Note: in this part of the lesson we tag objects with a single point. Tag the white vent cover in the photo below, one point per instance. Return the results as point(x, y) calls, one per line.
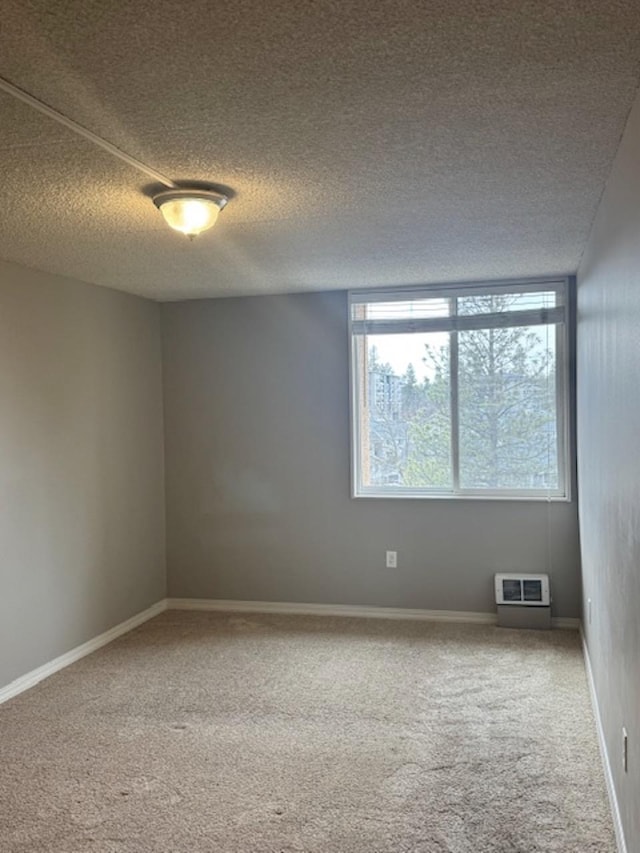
point(530, 590)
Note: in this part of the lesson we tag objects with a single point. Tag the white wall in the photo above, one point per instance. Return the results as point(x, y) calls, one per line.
point(258, 492)
point(609, 463)
point(81, 464)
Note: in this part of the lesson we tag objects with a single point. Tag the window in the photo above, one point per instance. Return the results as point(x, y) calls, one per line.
point(460, 391)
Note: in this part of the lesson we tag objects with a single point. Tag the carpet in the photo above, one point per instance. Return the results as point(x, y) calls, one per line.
point(203, 732)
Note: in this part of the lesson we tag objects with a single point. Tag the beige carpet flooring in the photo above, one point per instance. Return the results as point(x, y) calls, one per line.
point(205, 732)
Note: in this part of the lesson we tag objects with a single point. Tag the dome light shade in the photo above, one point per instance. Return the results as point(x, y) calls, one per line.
point(190, 211)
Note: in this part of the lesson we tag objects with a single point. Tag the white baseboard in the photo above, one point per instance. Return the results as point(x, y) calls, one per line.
point(567, 623)
point(300, 609)
point(606, 764)
point(353, 610)
point(32, 678)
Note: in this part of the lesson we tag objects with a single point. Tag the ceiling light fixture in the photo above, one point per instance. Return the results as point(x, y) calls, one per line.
point(190, 211)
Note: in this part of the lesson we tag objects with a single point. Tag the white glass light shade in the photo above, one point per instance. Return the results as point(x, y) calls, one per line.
point(190, 212)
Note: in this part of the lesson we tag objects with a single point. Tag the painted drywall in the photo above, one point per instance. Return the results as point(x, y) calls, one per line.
point(258, 490)
point(81, 464)
point(609, 463)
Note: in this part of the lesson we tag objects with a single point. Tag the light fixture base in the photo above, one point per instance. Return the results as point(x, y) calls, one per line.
point(185, 193)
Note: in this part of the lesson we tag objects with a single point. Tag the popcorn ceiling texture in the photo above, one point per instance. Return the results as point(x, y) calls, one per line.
point(245, 733)
point(367, 144)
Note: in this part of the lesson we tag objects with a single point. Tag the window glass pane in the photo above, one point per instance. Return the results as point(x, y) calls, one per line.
point(405, 421)
point(495, 303)
point(413, 309)
point(507, 408)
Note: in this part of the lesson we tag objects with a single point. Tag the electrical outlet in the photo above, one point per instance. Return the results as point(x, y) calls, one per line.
point(625, 750)
point(392, 559)
point(589, 609)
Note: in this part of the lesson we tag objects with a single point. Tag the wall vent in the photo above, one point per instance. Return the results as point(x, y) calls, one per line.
point(529, 590)
point(523, 601)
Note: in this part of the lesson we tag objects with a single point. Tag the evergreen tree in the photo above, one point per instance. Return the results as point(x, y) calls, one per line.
point(506, 409)
point(413, 393)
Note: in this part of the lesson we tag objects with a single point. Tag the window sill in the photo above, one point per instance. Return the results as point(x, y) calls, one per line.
point(440, 496)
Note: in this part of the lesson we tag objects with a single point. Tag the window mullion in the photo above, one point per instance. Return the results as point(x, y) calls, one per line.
point(453, 402)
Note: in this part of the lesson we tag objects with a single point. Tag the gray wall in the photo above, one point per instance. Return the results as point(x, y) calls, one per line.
point(81, 464)
point(257, 461)
point(609, 462)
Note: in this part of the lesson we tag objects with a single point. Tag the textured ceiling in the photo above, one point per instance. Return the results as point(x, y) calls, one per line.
point(367, 144)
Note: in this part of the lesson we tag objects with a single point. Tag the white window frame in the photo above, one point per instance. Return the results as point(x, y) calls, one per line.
point(563, 408)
